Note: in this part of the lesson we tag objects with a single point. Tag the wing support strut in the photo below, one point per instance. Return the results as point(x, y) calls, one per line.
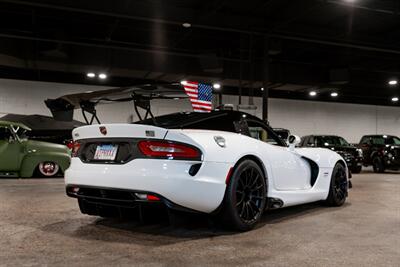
point(88, 107)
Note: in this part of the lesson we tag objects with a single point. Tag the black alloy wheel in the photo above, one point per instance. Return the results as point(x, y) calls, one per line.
point(245, 198)
point(377, 164)
point(339, 186)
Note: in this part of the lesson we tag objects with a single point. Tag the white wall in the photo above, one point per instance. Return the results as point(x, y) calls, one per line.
point(348, 120)
point(301, 117)
point(27, 97)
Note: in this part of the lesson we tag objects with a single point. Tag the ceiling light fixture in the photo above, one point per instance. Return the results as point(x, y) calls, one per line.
point(313, 93)
point(91, 75)
point(186, 25)
point(103, 76)
point(262, 88)
point(334, 94)
point(392, 82)
point(395, 99)
point(216, 86)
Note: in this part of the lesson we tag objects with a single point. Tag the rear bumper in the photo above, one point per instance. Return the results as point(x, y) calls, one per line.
point(169, 179)
point(118, 198)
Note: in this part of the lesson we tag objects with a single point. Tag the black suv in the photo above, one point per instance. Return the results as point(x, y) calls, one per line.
point(351, 154)
point(381, 151)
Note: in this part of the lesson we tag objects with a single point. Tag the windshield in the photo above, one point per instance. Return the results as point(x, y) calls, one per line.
point(331, 141)
point(392, 140)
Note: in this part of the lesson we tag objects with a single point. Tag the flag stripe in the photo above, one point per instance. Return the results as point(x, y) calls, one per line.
point(200, 96)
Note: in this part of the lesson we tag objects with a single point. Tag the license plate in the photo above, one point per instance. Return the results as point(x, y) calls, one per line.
point(106, 152)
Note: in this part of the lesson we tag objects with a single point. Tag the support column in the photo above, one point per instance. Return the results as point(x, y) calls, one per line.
point(265, 93)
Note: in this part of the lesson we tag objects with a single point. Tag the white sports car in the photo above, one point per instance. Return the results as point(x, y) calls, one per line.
point(226, 163)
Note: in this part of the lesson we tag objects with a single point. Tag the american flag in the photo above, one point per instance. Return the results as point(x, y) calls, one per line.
point(200, 96)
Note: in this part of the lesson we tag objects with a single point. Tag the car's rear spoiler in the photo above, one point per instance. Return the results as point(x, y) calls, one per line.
point(62, 108)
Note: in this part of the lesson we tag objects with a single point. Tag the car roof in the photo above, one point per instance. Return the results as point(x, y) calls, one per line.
point(379, 135)
point(17, 124)
point(324, 135)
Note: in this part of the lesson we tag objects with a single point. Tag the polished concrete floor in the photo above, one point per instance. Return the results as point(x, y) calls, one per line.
point(39, 226)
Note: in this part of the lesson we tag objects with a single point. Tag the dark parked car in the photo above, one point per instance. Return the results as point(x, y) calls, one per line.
point(351, 154)
point(381, 151)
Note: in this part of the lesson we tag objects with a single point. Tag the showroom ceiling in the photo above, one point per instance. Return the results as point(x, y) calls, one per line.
point(351, 47)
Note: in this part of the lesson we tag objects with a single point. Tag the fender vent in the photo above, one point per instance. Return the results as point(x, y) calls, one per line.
point(314, 170)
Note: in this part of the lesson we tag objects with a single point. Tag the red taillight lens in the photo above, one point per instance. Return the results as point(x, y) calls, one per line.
point(164, 149)
point(152, 198)
point(70, 144)
point(75, 148)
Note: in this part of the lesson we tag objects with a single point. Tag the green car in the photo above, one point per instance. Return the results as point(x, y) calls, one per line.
point(20, 157)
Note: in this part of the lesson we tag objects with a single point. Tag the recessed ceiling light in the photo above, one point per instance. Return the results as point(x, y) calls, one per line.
point(103, 76)
point(313, 93)
point(392, 82)
point(91, 75)
point(186, 25)
point(395, 99)
point(334, 94)
point(183, 82)
point(216, 86)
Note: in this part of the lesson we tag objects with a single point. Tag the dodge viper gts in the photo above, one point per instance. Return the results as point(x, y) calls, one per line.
point(225, 163)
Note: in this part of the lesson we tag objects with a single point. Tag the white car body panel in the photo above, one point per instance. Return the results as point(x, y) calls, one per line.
point(288, 172)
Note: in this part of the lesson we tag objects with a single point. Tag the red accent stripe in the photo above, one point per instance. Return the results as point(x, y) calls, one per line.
point(228, 176)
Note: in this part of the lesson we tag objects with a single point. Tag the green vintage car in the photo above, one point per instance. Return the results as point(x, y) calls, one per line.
point(20, 157)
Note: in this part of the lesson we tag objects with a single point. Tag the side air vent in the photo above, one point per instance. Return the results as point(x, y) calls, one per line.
point(314, 171)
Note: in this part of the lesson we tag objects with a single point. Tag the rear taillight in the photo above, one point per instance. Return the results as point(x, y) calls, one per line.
point(171, 150)
point(75, 148)
point(70, 144)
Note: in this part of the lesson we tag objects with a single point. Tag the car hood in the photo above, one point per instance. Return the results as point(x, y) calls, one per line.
point(349, 149)
point(40, 146)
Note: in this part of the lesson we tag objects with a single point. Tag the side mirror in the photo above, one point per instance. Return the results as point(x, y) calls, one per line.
point(294, 140)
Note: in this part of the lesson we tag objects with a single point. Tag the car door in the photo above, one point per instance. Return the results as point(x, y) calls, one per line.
point(290, 170)
point(9, 150)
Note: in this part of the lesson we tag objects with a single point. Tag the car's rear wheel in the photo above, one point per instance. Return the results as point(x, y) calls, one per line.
point(338, 187)
point(377, 164)
point(356, 169)
point(245, 196)
point(48, 169)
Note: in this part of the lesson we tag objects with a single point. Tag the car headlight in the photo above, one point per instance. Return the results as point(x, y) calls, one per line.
point(360, 152)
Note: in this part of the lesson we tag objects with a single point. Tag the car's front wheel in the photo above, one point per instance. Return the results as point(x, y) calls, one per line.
point(338, 187)
point(245, 196)
point(48, 169)
point(377, 164)
point(356, 169)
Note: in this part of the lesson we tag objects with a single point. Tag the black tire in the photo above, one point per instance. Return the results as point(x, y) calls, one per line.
point(245, 197)
point(338, 187)
point(356, 169)
point(378, 166)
